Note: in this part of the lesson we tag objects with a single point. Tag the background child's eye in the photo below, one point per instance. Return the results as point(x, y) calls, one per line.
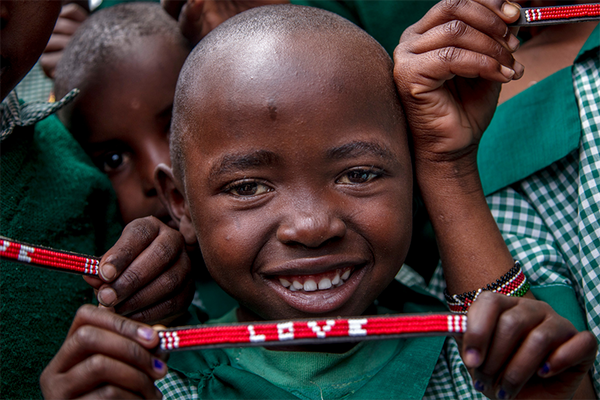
point(249, 188)
point(111, 162)
point(357, 176)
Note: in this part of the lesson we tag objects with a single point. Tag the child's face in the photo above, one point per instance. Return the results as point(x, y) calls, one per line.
point(123, 121)
point(26, 28)
point(299, 188)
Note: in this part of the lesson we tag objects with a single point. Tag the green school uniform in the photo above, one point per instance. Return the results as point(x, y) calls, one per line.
point(51, 195)
point(398, 368)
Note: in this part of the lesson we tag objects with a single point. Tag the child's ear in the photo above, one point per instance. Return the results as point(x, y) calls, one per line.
point(173, 199)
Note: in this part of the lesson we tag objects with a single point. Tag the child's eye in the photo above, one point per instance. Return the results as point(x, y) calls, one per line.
point(111, 162)
point(359, 175)
point(247, 188)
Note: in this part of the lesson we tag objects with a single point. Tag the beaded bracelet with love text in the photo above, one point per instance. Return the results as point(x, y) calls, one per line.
point(513, 283)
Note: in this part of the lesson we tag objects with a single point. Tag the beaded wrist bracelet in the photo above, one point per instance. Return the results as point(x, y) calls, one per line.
point(552, 15)
point(513, 283)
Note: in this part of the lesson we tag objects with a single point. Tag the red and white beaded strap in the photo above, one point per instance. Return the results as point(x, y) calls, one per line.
point(315, 331)
point(552, 15)
point(48, 258)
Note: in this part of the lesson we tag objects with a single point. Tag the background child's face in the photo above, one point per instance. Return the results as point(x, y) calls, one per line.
point(122, 121)
point(26, 28)
point(299, 188)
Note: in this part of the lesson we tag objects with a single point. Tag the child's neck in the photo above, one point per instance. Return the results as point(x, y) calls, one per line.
point(245, 315)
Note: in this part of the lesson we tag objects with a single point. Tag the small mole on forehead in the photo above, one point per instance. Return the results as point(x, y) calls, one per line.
point(271, 105)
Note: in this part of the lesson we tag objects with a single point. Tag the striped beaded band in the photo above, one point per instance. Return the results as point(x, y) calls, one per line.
point(552, 15)
point(48, 258)
point(513, 283)
point(314, 331)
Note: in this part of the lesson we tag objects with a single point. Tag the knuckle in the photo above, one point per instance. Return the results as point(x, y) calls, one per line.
point(84, 312)
point(96, 364)
point(123, 326)
point(131, 279)
point(509, 321)
point(455, 28)
point(84, 336)
point(163, 252)
point(449, 54)
point(109, 392)
point(539, 337)
point(450, 7)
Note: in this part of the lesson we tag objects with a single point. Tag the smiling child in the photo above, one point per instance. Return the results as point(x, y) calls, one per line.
point(292, 170)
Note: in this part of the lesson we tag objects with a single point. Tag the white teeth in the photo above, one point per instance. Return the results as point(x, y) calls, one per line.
point(336, 279)
point(285, 282)
point(346, 275)
point(310, 285)
point(293, 289)
point(325, 283)
point(298, 285)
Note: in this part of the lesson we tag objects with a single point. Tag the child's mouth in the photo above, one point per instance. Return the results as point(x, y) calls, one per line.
point(311, 283)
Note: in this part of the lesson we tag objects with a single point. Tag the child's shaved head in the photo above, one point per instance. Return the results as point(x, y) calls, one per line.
point(271, 45)
point(106, 37)
point(291, 164)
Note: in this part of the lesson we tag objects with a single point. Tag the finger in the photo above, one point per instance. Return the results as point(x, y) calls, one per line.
point(49, 61)
point(99, 369)
point(167, 309)
point(481, 324)
point(57, 43)
point(442, 65)
point(110, 392)
point(88, 341)
point(66, 26)
point(74, 12)
point(136, 237)
point(157, 258)
point(93, 281)
point(173, 7)
point(513, 326)
point(136, 331)
point(191, 21)
point(459, 34)
point(168, 284)
point(473, 13)
point(579, 351)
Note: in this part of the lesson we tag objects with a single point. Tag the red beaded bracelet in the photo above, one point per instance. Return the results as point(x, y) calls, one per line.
point(513, 283)
point(311, 331)
point(48, 258)
point(552, 15)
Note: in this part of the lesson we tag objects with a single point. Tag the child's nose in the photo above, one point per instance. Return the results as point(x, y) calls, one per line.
point(311, 229)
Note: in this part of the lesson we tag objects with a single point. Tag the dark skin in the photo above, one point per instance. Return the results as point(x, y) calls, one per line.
point(452, 114)
point(316, 215)
point(26, 28)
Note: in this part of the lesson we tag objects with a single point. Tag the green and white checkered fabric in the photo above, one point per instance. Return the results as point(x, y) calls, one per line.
point(14, 113)
point(550, 219)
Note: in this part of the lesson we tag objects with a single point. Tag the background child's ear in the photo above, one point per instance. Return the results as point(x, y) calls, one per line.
point(173, 199)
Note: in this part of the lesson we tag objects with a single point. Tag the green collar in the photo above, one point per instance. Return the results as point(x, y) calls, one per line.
point(532, 130)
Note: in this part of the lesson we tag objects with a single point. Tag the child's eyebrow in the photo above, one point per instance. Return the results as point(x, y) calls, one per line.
point(235, 162)
point(356, 149)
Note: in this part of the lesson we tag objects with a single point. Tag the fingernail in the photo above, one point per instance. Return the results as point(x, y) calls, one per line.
point(510, 10)
point(472, 358)
point(507, 72)
point(518, 68)
point(158, 365)
point(513, 43)
point(502, 394)
point(479, 386)
point(146, 333)
point(108, 272)
point(107, 296)
point(544, 370)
